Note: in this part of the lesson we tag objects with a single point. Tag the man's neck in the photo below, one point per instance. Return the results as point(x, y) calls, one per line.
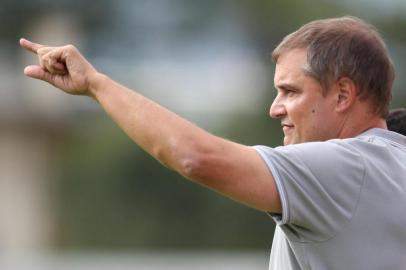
point(362, 124)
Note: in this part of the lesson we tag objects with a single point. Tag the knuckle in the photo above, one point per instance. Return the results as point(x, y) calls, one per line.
point(42, 64)
point(41, 51)
point(51, 60)
point(70, 47)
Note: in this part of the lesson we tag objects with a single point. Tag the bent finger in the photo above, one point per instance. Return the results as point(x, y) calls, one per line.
point(60, 68)
point(53, 61)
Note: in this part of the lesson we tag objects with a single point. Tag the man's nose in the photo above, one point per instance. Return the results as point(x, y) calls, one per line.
point(277, 109)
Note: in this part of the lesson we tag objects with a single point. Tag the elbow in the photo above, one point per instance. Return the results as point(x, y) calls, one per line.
point(196, 164)
point(191, 166)
point(200, 162)
point(187, 160)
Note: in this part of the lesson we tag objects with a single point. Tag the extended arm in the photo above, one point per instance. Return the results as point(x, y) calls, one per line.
point(232, 169)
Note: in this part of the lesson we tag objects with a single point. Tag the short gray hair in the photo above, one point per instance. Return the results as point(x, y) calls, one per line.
point(345, 47)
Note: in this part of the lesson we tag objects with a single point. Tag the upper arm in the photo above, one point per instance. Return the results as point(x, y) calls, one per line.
point(232, 169)
point(237, 171)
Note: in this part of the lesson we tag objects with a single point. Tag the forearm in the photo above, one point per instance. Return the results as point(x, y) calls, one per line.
point(169, 138)
point(233, 169)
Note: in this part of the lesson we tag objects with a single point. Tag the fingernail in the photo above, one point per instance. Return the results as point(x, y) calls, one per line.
point(27, 69)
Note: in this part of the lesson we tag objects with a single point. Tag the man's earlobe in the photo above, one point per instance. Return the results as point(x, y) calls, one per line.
point(346, 93)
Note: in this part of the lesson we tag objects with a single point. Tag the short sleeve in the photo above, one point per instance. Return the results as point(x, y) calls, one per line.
point(319, 185)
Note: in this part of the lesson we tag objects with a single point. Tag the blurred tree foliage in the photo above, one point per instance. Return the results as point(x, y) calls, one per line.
point(112, 194)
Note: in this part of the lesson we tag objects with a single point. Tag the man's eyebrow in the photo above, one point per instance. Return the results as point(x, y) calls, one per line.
point(287, 86)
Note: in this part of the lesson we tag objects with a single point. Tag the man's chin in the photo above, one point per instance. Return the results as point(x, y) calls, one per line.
point(287, 140)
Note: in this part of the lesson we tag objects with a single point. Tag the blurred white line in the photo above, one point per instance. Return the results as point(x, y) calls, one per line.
point(137, 260)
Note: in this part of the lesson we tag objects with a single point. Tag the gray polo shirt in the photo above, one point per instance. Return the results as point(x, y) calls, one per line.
point(343, 203)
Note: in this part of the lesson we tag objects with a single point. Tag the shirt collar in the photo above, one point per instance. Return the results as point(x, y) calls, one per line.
point(385, 134)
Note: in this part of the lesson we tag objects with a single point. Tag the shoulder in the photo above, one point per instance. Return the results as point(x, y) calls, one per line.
point(315, 153)
point(319, 184)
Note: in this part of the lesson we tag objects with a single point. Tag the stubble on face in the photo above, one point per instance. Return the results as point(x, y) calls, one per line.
point(303, 109)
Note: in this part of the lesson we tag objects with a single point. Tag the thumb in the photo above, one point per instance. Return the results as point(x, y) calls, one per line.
point(37, 72)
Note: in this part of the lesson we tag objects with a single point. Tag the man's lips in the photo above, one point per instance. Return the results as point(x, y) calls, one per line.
point(286, 127)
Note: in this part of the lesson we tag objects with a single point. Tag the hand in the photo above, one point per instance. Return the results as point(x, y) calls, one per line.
point(64, 67)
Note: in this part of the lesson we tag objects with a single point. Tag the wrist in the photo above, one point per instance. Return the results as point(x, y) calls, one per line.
point(95, 84)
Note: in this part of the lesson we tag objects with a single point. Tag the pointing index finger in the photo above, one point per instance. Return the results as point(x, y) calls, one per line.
point(30, 46)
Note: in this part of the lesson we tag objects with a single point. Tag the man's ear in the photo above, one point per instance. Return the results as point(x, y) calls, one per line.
point(346, 94)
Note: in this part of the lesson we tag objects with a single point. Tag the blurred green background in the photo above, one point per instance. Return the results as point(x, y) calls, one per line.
point(91, 186)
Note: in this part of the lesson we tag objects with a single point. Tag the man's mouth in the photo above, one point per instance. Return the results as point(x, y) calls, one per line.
point(286, 127)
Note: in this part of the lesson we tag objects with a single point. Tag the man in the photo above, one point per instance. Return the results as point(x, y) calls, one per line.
point(336, 189)
point(396, 121)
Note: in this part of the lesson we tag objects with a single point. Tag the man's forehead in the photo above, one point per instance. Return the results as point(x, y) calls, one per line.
point(290, 65)
point(298, 54)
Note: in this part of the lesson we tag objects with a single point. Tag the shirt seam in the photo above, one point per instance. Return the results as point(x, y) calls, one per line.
point(281, 190)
